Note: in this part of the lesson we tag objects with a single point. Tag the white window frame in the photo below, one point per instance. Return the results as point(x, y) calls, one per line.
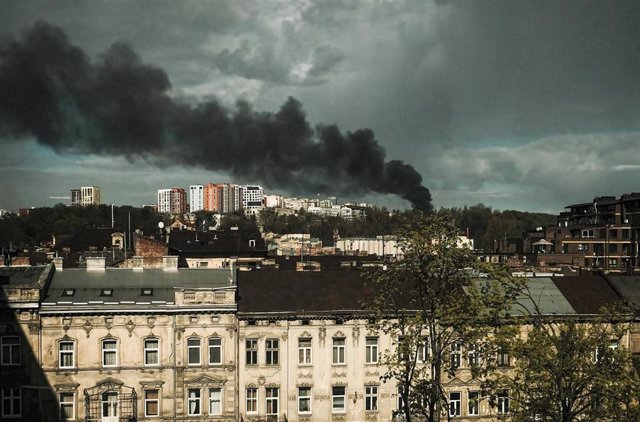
point(251, 400)
point(272, 351)
point(197, 400)
point(212, 348)
point(502, 403)
point(335, 394)
point(455, 355)
point(109, 351)
point(473, 403)
point(63, 353)
point(215, 399)
point(9, 351)
point(504, 359)
point(147, 400)
point(339, 351)
point(371, 350)
point(305, 348)
point(304, 399)
point(9, 395)
point(197, 347)
point(272, 395)
point(64, 404)
point(371, 398)
point(423, 350)
point(149, 350)
point(455, 404)
point(472, 356)
point(251, 347)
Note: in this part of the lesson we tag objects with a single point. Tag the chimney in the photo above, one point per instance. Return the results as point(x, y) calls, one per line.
point(170, 263)
point(57, 263)
point(97, 263)
point(138, 263)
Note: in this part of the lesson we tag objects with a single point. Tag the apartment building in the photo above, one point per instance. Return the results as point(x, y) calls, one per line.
point(172, 200)
point(196, 198)
point(134, 344)
point(86, 195)
point(603, 233)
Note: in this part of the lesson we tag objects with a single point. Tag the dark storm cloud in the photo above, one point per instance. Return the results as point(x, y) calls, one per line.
point(120, 106)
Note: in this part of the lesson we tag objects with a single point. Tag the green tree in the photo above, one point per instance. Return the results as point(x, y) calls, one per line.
point(436, 301)
point(573, 370)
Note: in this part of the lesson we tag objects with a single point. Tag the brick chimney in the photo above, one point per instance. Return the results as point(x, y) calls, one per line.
point(138, 263)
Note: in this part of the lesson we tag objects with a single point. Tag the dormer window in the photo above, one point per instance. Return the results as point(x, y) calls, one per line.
point(106, 292)
point(252, 243)
point(68, 292)
point(145, 291)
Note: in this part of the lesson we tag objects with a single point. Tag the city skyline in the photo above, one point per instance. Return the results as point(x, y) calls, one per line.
point(519, 105)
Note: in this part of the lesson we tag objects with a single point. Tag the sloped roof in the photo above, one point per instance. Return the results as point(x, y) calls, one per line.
point(542, 296)
point(211, 244)
point(288, 292)
point(628, 287)
point(587, 293)
point(29, 277)
point(127, 285)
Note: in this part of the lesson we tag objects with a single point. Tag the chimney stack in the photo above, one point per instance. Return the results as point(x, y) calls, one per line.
point(58, 263)
point(97, 263)
point(170, 263)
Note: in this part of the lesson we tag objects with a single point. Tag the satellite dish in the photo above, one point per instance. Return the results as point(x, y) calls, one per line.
point(161, 224)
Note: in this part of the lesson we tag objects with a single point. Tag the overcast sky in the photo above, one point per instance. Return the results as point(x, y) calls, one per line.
point(529, 105)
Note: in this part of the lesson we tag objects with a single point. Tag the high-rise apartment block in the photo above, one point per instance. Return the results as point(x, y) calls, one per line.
point(249, 198)
point(173, 201)
point(196, 198)
point(86, 195)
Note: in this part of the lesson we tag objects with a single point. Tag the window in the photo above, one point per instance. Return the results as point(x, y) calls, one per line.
point(304, 351)
point(145, 291)
point(252, 400)
point(613, 234)
point(109, 353)
point(423, 350)
point(613, 248)
point(339, 350)
point(371, 350)
point(472, 356)
point(304, 400)
point(11, 402)
point(455, 357)
point(193, 402)
point(215, 351)
point(106, 292)
point(272, 401)
point(503, 403)
point(338, 400)
point(109, 401)
point(215, 401)
point(613, 263)
point(68, 292)
point(473, 403)
point(151, 403)
point(587, 234)
point(193, 351)
point(455, 403)
point(503, 357)
point(10, 348)
point(251, 345)
point(66, 354)
point(67, 406)
point(271, 345)
point(583, 247)
point(371, 397)
point(151, 352)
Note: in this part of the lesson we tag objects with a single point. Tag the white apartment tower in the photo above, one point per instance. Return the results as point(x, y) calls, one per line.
point(172, 201)
point(196, 198)
point(86, 195)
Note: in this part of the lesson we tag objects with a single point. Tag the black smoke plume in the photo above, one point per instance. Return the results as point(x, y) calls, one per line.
point(119, 106)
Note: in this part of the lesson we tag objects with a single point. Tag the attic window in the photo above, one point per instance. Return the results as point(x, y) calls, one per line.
point(68, 292)
point(252, 243)
point(106, 292)
point(145, 291)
